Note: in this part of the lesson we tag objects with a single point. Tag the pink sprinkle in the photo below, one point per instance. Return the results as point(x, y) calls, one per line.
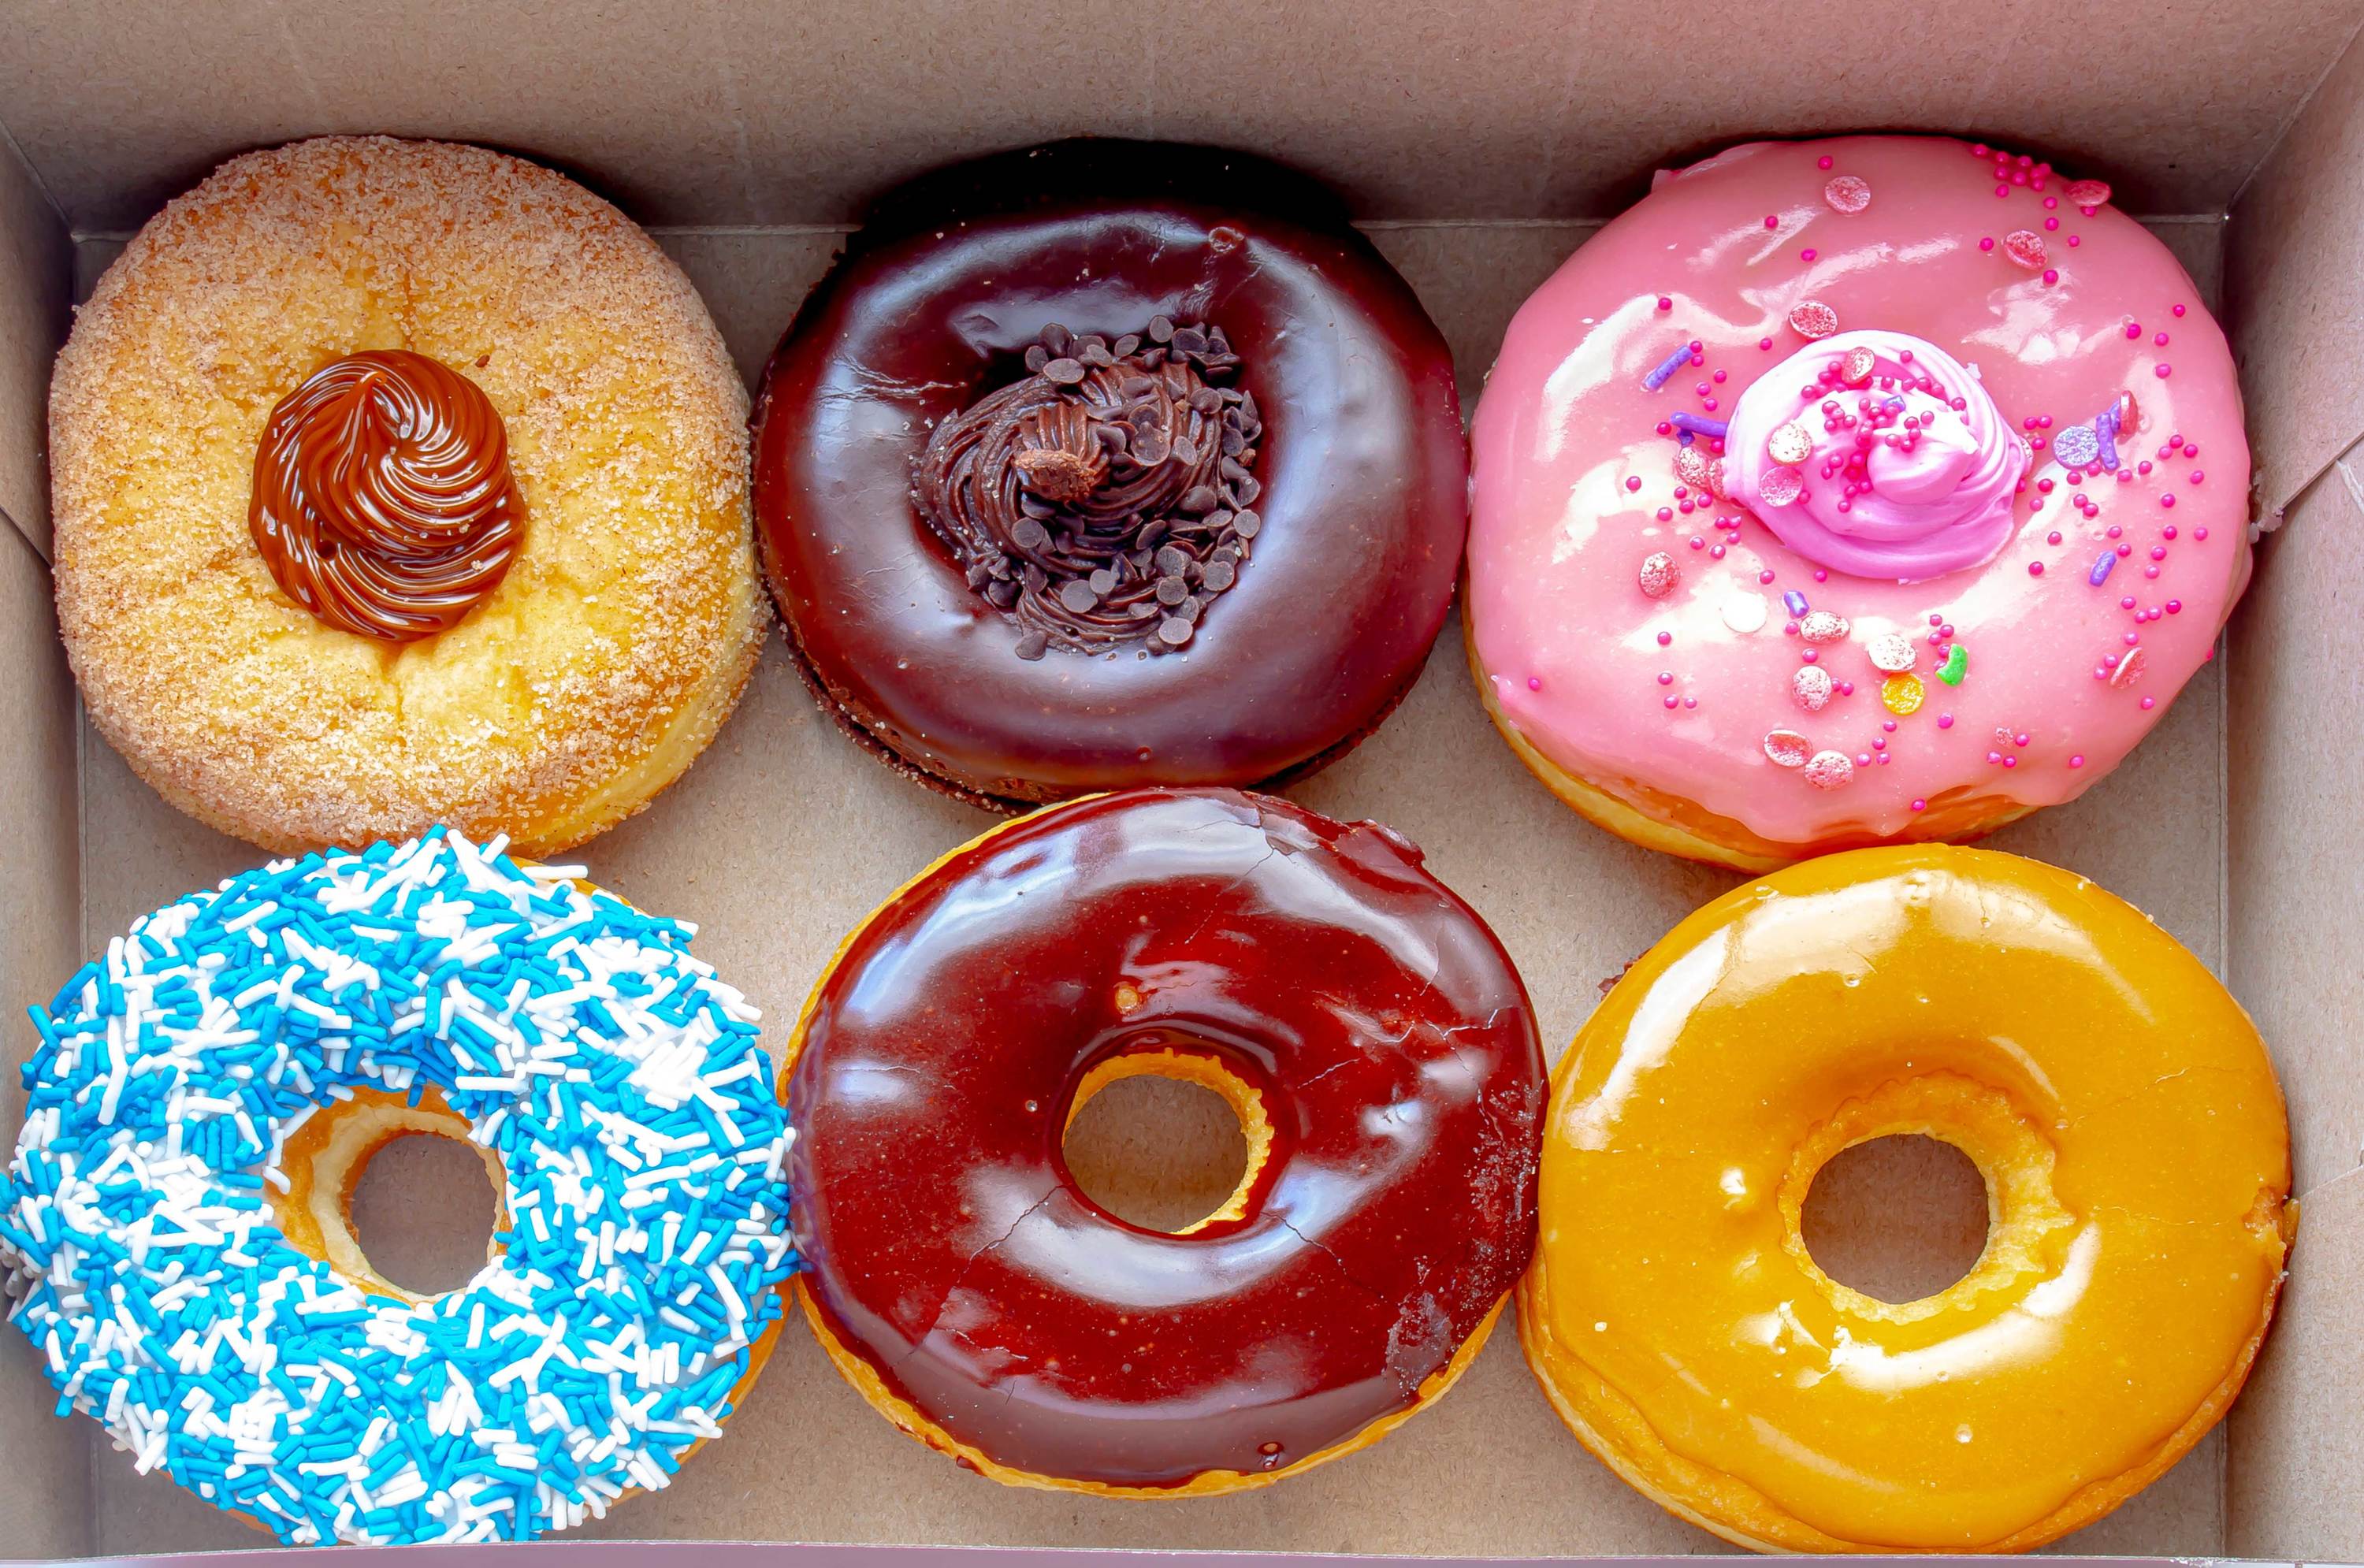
point(2074, 241)
point(2150, 702)
point(1670, 702)
point(1666, 304)
point(1635, 483)
point(1664, 637)
point(2078, 761)
point(1666, 677)
point(2200, 533)
point(2167, 499)
point(2134, 328)
point(2035, 568)
point(2051, 274)
point(2175, 606)
point(1920, 806)
point(2162, 372)
point(1987, 244)
point(1945, 722)
point(1823, 162)
point(1534, 683)
point(1771, 221)
point(2179, 310)
point(2197, 476)
point(1806, 255)
point(2010, 762)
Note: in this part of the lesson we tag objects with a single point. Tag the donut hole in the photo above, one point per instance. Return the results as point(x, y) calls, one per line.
point(1899, 1218)
point(423, 1212)
point(1159, 1148)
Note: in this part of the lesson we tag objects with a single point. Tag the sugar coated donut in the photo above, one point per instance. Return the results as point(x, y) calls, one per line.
point(174, 1221)
point(2118, 1102)
point(1364, 1024)
point(1110, 464)
point(1844, 492)
point(401, 483)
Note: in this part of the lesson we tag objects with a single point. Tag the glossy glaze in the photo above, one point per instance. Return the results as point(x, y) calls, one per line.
point(1362, 466)
point(1380, 1022)
point(2119, 1101)
point(383, 498)
point(1568, 639)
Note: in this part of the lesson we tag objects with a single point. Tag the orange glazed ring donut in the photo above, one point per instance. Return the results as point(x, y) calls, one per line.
point(2118, 1102)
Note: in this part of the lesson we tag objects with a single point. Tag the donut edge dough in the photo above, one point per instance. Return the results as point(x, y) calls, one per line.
point(612, 719)
point(1616, 1432)
point(865, 1380)
point(1709, 838)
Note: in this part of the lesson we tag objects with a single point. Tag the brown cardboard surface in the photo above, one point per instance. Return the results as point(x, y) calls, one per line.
point(2292, 748)
point(44, 1470)
point(2297, 316)
point(755, 129)
point(34, 270)
point(2297, 1436)
point(720, 111)
point(784, 836)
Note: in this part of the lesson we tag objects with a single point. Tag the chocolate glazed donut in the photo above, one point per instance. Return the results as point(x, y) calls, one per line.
point(1365, 1024)
point(1312, 542)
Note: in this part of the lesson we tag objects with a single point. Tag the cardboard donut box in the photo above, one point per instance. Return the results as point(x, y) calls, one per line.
point(1478, 143)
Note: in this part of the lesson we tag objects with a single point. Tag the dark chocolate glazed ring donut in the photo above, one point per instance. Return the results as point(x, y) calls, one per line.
point(1369, 1028)
point(1062, 491)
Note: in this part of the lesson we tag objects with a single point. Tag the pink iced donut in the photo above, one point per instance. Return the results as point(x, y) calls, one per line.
point(1848, 491)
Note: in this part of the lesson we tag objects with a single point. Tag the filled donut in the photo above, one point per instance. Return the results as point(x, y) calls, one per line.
point(1366, 1027)
point(1854, 491)
point(1061, 491)
point(401, 483)
point(2118, 1103)
point(173, 1225)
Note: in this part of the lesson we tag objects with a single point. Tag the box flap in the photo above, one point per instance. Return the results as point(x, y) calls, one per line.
point(2296, 314)
point(35, 267)
point(698, 112)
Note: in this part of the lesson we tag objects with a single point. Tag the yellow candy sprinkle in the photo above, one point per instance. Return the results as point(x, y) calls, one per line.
point(1901, 694)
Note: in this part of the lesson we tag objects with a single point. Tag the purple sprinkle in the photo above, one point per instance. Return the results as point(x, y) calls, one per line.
point(1795, 601)
point(1713, 429)
point(2102, 564)
point(1674, 362)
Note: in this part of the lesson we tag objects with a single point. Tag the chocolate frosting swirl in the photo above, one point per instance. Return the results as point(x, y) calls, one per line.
point(383, 500)
point(1107, 497)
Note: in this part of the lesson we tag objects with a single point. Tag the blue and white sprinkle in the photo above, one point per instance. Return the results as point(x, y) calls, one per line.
point(619, 1081)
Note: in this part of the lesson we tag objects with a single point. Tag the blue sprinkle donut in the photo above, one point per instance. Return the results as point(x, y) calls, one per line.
point(173, 1224)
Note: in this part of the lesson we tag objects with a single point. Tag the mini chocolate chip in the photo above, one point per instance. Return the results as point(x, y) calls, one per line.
point(1245, 491)
point(1127, 345)
point(1161, 330)
point(1205, 401)
point(1233, 443)
point(1062, 371)
point(1190, 341)
point(1036, 358)
point(1030, 534)
point(1218, 576)
point(1186, 454)
point(1033, 645)
point(1036, 578)
point(1173, 632)
point(1058, 338)
point(1001, 595)
point(1232, 470)
point(1152, 532)
point(981, 572)
point(1137, 387)
point(1142, 609)
point(1095, 352)
point(1149, 448)
point(1171, 559)
point(1221, 344)
point(1172, 590)
point(1078, 596)
point(1246, 524)
point(1103, 582)
point(1113, 436)
point(1190, 608)
point(1198, 499)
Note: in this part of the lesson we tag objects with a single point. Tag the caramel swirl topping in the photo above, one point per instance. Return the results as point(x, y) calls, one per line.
point(1107, 497)
point(383, 499)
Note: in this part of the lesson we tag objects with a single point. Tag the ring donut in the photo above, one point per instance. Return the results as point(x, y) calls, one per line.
point(175, 1222)
point(1364, 1024)
point(2118, 1102)
point(1217, 557)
